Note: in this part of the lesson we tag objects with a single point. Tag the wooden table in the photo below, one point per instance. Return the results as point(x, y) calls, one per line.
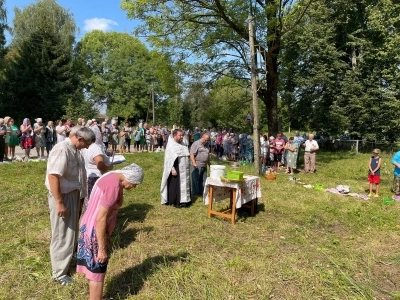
point(240, 194)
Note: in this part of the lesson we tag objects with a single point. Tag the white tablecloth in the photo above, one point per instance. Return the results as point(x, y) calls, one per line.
point(245, 191)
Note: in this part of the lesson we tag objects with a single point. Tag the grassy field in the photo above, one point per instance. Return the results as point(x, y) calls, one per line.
point(302, 244)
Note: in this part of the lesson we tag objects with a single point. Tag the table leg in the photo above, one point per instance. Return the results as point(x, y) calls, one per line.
point(233, 210)
point(210, 200)
point(253, 204)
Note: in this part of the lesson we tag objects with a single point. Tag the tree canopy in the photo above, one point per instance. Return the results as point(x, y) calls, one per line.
point(215, 30)
point(341, 69)
point(119, 71)
point(40, 76)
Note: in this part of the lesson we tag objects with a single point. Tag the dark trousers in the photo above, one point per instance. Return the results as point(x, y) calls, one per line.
point(198, 180)
point(49, 146)
point(220, 150)
point(128, 143)
point(2, 147)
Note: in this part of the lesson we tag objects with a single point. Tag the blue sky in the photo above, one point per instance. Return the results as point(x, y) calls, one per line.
point(105, 15)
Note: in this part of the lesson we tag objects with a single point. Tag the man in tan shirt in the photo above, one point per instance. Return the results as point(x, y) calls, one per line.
point(66, 182)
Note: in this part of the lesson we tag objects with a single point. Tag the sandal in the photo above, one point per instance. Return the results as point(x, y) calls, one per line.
point(64, 280)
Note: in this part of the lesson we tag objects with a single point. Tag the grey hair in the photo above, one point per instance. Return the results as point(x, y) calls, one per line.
point(85, 132)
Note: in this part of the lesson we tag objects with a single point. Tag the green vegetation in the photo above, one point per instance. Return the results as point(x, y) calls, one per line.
point(339, 69)
point(302, 244)
point(40, 75)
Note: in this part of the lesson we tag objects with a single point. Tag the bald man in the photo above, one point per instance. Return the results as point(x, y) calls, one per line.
point(199, 158)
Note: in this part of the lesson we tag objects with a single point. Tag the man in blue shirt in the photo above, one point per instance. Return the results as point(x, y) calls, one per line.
point(396, 178)
point(196, 135)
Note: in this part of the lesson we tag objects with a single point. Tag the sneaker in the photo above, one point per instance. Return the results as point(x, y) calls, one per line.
point(396, 197)
point(64, 280)
point(376, 196)
point(369, 195)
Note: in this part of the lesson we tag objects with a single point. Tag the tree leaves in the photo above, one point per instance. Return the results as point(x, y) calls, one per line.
point(40, 75)
point(340, 69)
point(120, 71)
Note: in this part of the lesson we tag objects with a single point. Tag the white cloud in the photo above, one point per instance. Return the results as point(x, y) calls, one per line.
point(99, 24)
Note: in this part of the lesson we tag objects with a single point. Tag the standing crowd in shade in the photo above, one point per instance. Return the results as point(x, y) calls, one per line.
point(225, 144)
point(283, 152)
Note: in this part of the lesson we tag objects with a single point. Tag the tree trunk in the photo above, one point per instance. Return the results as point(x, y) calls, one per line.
point(270, 99)
point(270, 95)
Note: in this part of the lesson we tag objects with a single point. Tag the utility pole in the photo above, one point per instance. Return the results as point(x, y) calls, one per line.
point(256, 137)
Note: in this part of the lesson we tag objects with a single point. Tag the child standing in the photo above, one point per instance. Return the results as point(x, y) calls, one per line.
point(396, 177)
point(374, 174)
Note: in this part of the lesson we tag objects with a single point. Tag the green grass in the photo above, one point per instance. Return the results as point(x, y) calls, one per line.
point(302, 244)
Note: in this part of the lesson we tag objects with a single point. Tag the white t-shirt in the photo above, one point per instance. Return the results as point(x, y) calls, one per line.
point(61, 137)
point(89, 155)
point(311, 144)
point(97, 133)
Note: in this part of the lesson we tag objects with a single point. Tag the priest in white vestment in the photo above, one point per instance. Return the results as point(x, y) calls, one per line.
point(175, 184)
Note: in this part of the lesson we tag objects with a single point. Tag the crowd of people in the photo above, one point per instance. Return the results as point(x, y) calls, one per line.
point(113, 137)
point(281, 151)
point(85, 193)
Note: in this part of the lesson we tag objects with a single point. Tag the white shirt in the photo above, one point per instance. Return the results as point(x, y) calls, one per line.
point(97, 133)
point(186, 137)
point(89, 155)
point(61, 137)
point(311, 144)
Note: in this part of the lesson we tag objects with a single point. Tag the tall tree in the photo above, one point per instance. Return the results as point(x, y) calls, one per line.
point(341, 68)
point(3, 28)
point(217, 29)
point(40, 76)
point(45, 15)
point(120, 72)
point(3, 48)
point(312, 69)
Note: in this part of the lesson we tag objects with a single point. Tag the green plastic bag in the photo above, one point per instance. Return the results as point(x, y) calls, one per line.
point(319, 187)
point(388, 201)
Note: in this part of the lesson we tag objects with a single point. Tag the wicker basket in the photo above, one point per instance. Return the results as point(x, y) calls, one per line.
point(270, 176)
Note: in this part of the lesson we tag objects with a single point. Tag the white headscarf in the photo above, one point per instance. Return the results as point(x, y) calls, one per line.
point(133, 173)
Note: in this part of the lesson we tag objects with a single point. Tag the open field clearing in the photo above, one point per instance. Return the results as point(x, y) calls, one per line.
point(302, 244)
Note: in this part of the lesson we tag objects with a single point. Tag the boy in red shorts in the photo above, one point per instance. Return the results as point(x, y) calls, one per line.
point(374, 174)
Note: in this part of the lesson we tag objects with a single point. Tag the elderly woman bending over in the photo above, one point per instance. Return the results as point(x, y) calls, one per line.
point(98, 222)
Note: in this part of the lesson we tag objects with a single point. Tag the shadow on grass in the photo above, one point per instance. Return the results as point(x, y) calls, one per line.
point(131, 281)
point(194, 199)
point(134, 212)
point(244, 212)
point(129, 236)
